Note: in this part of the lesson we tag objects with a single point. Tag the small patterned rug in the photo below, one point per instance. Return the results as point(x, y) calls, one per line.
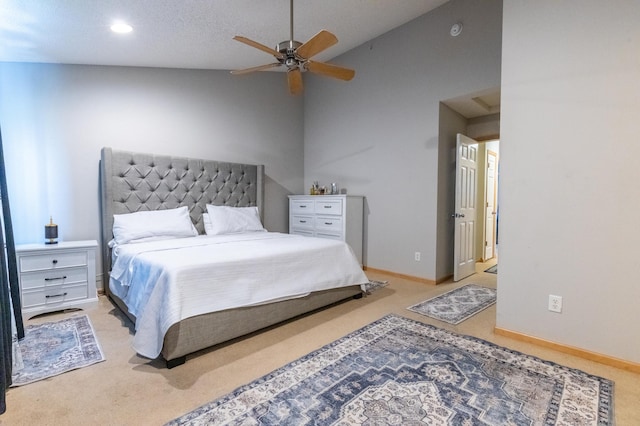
point(493, 269)
point(457, 305)
point(373, 285)
point(54, 348)
point(404, 372)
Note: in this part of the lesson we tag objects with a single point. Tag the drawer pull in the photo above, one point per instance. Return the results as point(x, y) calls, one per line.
point(56, 295)
point(302, 206)
point(328, 223)
point(56, 278)
point(54, 261)
point(327, 207)
point(303, 221)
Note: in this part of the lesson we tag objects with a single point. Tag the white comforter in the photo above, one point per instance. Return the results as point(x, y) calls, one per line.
point(164, 282)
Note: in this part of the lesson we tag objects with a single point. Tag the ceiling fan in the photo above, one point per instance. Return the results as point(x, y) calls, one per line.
point(297, 56)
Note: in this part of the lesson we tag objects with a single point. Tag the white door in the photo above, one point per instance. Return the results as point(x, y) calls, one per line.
point(490, 207)
point(465, 207)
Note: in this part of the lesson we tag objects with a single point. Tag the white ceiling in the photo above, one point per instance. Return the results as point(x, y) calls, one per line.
point(188, 33)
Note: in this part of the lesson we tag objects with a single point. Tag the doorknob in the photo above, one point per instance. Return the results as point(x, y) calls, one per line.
point(457, 215)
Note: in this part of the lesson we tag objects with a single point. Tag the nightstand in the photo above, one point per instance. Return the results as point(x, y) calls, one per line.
point(55, 277)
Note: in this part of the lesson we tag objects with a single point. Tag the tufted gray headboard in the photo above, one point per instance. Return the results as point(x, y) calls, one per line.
point(132, 182)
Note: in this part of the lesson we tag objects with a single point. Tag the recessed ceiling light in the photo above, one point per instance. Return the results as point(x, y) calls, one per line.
point(121, 28)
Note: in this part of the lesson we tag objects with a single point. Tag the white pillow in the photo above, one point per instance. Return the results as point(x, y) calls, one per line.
point(207, 224)
point(152, 225)
point(233, 220)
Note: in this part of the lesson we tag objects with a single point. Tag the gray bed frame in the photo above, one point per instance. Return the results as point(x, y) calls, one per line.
point(132, 182)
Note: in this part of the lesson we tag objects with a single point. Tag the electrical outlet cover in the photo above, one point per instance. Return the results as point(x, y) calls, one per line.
point(555, 303)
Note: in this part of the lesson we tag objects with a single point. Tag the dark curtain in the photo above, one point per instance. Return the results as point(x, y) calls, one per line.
point(9, 291)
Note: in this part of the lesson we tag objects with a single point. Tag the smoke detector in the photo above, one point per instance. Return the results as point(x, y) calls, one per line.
point(456, 29)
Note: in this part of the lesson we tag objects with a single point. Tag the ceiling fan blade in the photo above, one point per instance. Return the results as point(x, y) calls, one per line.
point(259, 46)
point(316, 44)
point(330, 70)
point(258, 68)
point(294, 78)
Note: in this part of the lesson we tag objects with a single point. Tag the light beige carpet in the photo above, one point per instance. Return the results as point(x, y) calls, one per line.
point(129, 390)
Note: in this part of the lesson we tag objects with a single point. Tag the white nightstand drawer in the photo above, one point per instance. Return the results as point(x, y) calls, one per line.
point(303, 207)
point(53, 277)
point(332, 224)
point(329, 207)
point(38, 262)
point(302, 222)
point(54, 295)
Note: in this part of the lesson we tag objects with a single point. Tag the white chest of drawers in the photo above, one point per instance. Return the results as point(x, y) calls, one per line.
point(54, 277)
point(338, 217)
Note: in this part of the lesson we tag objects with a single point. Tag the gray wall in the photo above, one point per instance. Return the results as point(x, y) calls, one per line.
point(378, 135)
point(451, 123)
point(56, 118)
point(569, 173)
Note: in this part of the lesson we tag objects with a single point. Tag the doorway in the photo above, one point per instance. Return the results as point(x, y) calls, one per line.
point(475, 232)
point(480, 121)
point(489, 239)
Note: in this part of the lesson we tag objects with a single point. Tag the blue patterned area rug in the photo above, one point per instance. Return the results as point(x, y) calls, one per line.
point(457, 305)
point(54, 348)
point(404, 372)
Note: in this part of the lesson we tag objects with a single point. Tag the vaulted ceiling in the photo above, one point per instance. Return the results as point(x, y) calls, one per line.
point(199, 34)
point(187, 33)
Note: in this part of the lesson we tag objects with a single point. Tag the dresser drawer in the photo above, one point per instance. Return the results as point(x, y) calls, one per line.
point(54, 295)
point(332, 225)
point(330, 236)
point(38, 262)
point(306, 222)
point(302, 207)
point(53, 277)
point(303, 232)
point(332, 207)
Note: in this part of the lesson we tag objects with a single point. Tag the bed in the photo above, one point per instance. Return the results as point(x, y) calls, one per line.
point(186, 302)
